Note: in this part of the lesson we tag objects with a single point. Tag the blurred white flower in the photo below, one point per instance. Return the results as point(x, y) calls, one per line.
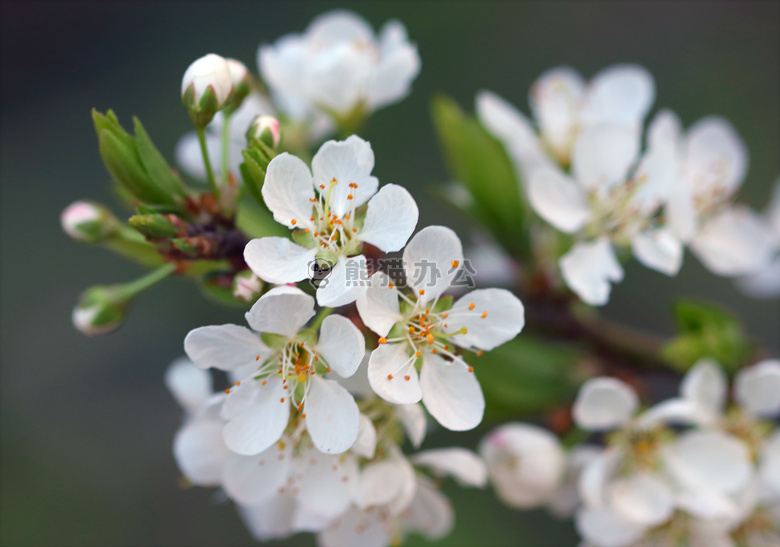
point(613, 198)
point(564, 105)
point(198, 447)
point(288, 373)
point(712, 160)
point(766, 282)
point(414, 360)
point(338, 66)
point(526, 464)
point(322, 205)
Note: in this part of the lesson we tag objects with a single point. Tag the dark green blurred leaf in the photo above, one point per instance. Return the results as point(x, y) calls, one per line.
point(479, 162)
point(256, 221)
point(706, 330)
point(526, 376)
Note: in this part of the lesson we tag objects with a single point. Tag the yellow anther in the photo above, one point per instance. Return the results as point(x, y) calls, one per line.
point(455, 263)
point(383, 340)
point(471, 306)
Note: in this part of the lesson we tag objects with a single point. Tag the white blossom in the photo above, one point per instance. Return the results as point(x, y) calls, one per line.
point(766, 282)
point(612, 199)
point(209, 73)
point(711, 162)
point(338, 66)
point(563, 106)
point(415, 359)
point(324, 207)
point(288, 373)
point(526, 464)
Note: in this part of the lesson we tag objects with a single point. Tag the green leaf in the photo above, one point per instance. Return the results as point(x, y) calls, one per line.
point(479, 162)
point(706, 330)
point(222, 295)
point(159, 172)
point(526, 376)
point(257, 221)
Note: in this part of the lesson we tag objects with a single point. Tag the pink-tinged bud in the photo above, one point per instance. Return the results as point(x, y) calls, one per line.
point(266, 129)
point(247, 286)
point(206, 86)
point(88, 222)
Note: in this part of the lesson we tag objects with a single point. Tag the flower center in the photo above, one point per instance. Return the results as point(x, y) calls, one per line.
point(332, 233)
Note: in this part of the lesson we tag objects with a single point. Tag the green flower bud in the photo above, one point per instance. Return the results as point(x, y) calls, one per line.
point(242, 85)
point(153, 225)
point(101, 309)
point(88, 222)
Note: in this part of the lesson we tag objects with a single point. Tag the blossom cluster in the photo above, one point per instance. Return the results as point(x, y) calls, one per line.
point(585, 172)
point(344, 358)
point(690, 470)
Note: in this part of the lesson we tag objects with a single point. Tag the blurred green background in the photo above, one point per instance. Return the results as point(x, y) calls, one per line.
point(86, 423)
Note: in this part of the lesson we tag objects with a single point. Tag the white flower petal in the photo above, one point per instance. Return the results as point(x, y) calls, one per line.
point(260, 418)
point(190, 386)
point(341, 344)
point(525, 462)
point(279, 260)
point(602, 156)
point(349, 161)
point(490, 316)
point(709, 460)
point(348, 279)
point(378, 306)
point(412, 417)
point(250, 480)
point(555, 98)
point(431, 260)
point(390, 81)
point(665, 129)
point(282, 310)
point(703, 503)
point(597, 474)
point(558, 199)
point(365, 444)
point(769, 467)
point(605, 528)
point(356, 528)
point(511, 127)
point(224, 347)
point(604, 403)
point(643, 499)
point(658, 249)
point(588, 269)
point(332, 416)
point(464, 465)
point(388, 368)
point(338, 26)
point(200, 452)
point(715, 157)
point(430, 512)
point(674, 411)
point(407, 478)
point(736, 241)
point(706, 385)
point(379, 484)
point(272, 519)
point(390, 219)
point(287, 191)
point(757, 389)
point(620, 94)
point(763, 284)
point(451, 393)
point(329, 485)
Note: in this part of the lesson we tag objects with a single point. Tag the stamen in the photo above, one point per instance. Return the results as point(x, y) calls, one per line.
point(389, 376)
point(383, 340)
point(471, 306)
point(455, 263)
point(484, 314)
